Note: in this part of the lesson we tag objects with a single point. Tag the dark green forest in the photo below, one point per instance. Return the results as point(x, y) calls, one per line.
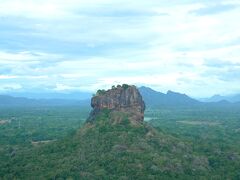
point(173, 143)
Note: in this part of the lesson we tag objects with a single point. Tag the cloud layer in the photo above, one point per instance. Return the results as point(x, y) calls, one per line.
point(188, 46)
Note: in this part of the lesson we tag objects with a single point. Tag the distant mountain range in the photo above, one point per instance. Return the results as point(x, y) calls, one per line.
point(151, 97)
point(217, 98)
point(154, 98)
point(8, 101)
point(53, 95)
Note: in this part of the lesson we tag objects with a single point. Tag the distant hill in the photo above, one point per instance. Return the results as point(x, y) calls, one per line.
point(216, 98)
point(8, 101)
point(53, 95)
point(153, 98)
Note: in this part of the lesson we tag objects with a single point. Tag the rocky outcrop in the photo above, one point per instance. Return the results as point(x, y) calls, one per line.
point(125, 99)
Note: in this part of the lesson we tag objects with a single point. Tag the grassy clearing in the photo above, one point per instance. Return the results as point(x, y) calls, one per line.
point(3, 122)
point(206, 123)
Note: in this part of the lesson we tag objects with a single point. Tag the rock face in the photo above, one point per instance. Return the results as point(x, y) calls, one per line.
point(125, 99)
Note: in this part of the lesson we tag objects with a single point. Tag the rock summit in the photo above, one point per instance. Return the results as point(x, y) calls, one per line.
point(123, 99)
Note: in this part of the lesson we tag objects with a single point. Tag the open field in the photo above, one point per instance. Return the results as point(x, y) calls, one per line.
point(199, 123)
point(3, 121)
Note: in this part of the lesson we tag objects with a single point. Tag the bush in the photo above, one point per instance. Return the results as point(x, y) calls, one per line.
point(125, 86)
point(100, 92)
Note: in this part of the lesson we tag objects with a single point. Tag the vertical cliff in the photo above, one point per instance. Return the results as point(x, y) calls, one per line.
point(121, 99)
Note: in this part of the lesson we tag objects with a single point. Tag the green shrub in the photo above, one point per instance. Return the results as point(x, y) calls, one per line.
point(100, 92)
point(125, 86)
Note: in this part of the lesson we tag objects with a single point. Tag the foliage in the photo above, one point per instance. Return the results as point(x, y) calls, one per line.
point(125, 86)
point(186, 143)
point(25, 125)
point(103, 92)
point(213, 132)
point(100, 92)
point(106, 151)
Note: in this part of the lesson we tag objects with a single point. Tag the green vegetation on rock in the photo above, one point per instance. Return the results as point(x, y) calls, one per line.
point(125, 86)
point(100, 92)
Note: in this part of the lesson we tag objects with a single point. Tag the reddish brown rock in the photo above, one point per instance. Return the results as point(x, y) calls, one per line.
point(125, 99)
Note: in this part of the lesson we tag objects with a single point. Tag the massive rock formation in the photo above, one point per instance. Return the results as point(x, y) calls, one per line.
point(119, 100)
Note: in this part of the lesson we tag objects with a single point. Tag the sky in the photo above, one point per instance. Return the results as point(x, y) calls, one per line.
point(187, 46)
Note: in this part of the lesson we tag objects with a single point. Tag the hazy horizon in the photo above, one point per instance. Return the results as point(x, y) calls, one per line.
point(189, 47)
point(81, 94)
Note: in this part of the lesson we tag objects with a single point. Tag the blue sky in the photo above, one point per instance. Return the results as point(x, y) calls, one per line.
point(187, 46)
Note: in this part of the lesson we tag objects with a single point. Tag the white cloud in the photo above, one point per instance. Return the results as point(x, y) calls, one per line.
point(7, 77)
point(32, 8)
point(62, 87)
